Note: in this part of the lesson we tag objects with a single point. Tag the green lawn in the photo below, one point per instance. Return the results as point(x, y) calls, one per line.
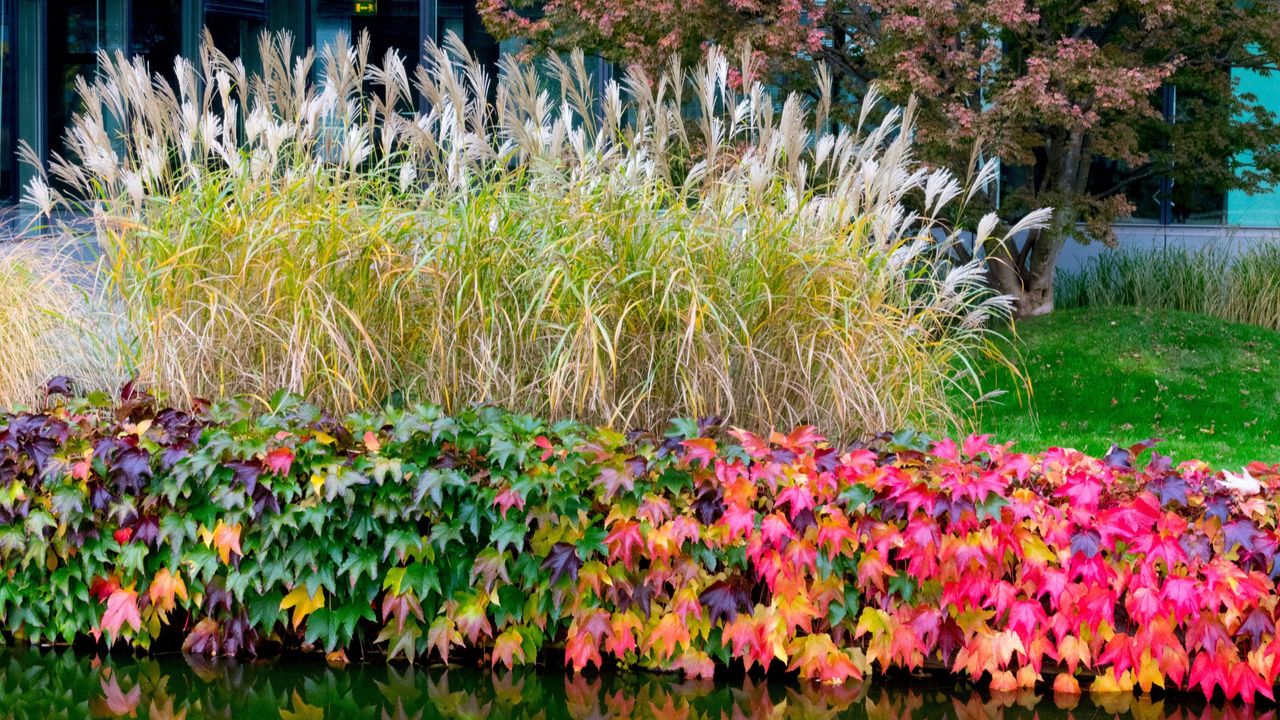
point(1210, 388)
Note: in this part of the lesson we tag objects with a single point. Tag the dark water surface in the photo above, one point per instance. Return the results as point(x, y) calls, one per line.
point(37, 684)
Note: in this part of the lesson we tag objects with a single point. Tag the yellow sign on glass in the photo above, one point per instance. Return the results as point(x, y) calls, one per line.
point(366, 8)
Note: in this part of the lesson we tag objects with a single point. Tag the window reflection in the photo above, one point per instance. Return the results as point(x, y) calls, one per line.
point(8, 123)
point(74, 36)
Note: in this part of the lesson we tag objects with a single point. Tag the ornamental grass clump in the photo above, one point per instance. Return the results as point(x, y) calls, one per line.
point(679, 245)
point(1240, 284)
point(49, 326)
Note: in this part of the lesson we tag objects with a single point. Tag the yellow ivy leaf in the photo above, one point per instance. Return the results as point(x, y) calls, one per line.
point(1149, 673)
point(165, 586)
point(223, 537)
point(302, 604)
point(301, 710)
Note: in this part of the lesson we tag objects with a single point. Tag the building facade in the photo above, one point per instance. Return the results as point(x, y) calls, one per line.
point(45, 44)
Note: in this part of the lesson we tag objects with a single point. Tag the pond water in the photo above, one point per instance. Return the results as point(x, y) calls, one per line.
point(36, 684)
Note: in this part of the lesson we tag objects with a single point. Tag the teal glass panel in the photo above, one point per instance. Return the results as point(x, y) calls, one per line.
point(1260, 209)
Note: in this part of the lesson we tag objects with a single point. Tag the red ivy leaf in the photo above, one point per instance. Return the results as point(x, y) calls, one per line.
point(279, 461)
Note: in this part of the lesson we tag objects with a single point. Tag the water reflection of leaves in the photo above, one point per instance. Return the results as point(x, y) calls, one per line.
point(41, 685)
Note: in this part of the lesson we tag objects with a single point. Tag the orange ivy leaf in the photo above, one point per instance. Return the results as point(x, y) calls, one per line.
point(1074, 652)
point(442, 635)
point(507, 647)
point(701, 449)
point(224, 538)
point(817, 657)
point(623, 542)
point(666, 635)
point(580, 651)
point(1066, 684)
point(165, 586)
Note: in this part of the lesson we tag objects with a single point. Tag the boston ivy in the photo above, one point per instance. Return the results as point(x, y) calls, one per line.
point(492, 534)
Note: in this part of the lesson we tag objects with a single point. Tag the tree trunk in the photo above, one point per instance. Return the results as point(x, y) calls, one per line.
point(1026, 273)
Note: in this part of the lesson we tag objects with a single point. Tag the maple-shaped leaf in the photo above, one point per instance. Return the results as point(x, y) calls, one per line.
point(802, 440)
point(472, 619)
point(203, 638)
point(114, 701)
point(303, 604)
point(301, 710)
point(402, 641)
point(1149, 674)
point(442, 635)
point(102, 588)
point(1003, 681)
point(817, 657)
point(165, 587)
point(1074, 652)
point(224, 538)
point(1118, 458)
point(710, 506)
point(1257, 624)
point(724, 599)
point(244, 473)
point(59, 385)
point(945, 449)
point(1208, 671)
point(621, 638)
point(122, 610)
point(873, 570)
point(694, 664)
point(1065, 684)
point(623, 542)
point(1086, 542)
point(755, 446)
point(279, 461)
point(1170, 489)
point(1240, 533)
point(130, 468)
point(508, 646)
point(580, 651)
point(506, 499)
point(701, 450)
point(562, 560)
point(615, 481)
point(401, 607)
point(666, 636)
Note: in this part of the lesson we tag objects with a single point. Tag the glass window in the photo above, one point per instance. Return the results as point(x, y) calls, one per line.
point(1260, 209)
point(75, 32)
point(1145, 192)
point(1159, 198)
point(156, 33)
point(395, 25)
point(461, 18)
point(236, 36)
point(8, 85)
